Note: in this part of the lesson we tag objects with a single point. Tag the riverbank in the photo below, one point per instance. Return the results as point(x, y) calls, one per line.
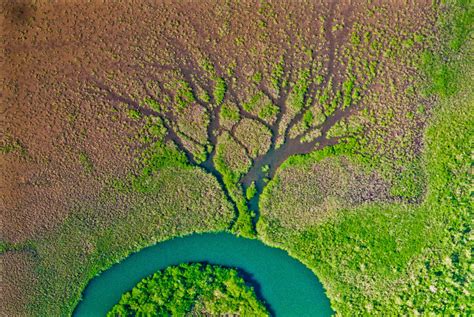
point(286, 286)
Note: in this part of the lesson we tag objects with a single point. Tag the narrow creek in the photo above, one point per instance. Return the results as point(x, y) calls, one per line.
point(287, 286)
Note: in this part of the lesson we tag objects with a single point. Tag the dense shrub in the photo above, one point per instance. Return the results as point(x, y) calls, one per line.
point(190, 289)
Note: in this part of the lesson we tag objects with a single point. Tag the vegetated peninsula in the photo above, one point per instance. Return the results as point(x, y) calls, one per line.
point(338, 131)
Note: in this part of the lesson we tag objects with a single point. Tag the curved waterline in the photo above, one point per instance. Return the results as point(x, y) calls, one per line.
point(287, 286)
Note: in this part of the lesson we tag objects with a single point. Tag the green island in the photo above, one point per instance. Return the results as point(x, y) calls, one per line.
point(188, 289)
point(340, 133)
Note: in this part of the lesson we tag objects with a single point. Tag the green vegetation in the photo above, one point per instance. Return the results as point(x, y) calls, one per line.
point(86, 162)
point(9, 146)
point(268, 111)
point(184, 94)
point(190, 289)
point(155, 158)
point(439, 66)
point(229, 113)
point(257, 77)
point(152, 103)
point(355, 39)
point(207, 66)
point(440, 73)
point(219, 90)
point(308, 118)
point(277, 74)
point(409, 183)
point(390, 259)
point(296, 99)
point(349, 91)
point(205, 97)
point(250, 104)
point(6, 246)
point(134, 114)
point(231, 167)
point(251, 191)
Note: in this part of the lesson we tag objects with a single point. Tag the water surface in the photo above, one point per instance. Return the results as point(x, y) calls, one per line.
point(286, 285)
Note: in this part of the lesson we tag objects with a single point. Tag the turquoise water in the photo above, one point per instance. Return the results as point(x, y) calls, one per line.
point(287, 286)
